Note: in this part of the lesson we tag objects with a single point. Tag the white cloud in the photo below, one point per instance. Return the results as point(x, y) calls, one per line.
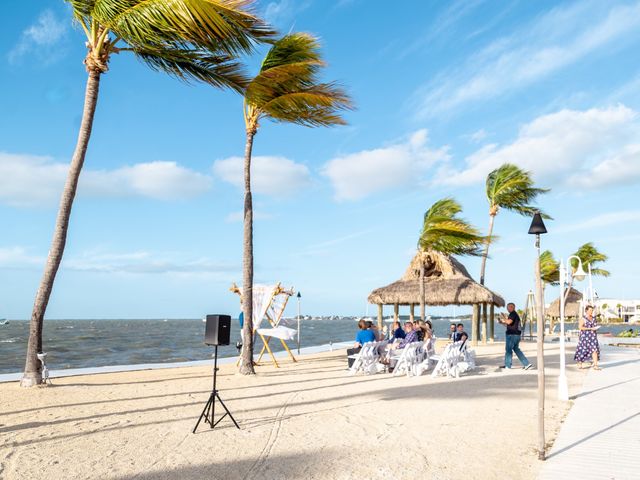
point(554, 41)
point(595, 147)
point(356, 175)
point(284, 11)
point(19, 257)
point(158, 180)
point(29, 180)
point(138, 262)
point(42, 38)
point(603, 220)
point(270, 175)
point(145, 263)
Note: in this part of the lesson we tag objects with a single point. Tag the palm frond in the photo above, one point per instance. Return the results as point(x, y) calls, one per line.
point(286, 89)
point(512, 188)
point(443, 231)
point(590, 255)
point(549, 268)
point(224, 26)
point(219, 71)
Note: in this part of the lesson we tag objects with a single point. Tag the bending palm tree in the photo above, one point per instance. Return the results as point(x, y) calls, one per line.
point(510, 188)
point(285, 90)
point(190, 39)
point(445, 232)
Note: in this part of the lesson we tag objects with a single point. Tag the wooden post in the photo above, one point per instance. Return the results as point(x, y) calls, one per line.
point(484, 323)
point(412, 316)
point(475, 324)
point(380, 325)
point(396, 312)
point(540, 352)
point(492, 320)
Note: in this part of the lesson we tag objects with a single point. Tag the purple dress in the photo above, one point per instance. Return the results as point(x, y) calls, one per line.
point(587, 343)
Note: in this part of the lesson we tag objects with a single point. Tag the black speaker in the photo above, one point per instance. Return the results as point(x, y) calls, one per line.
point(217, 330)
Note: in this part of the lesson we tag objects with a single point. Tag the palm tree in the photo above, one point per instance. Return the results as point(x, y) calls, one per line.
point(590, 256)
point(443, 231)
point(549, 273)
point(510, 188)
point(193, 40)
point(286, 89)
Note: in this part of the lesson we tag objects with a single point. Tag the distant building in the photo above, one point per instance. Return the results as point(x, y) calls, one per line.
point(628, 310)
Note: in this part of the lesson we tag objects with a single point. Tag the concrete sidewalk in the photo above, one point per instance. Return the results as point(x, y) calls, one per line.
point(600, 438)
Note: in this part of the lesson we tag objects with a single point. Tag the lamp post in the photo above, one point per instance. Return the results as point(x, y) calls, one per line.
point(537, 228)
point(563, 388)
point(298, 296)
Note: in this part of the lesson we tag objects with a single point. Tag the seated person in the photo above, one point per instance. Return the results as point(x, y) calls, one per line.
point(398, 332)
point(364, 335)
point(459, 332)
point(410, 336)
point(463, 338)
point(452, 332)
point(423, 330)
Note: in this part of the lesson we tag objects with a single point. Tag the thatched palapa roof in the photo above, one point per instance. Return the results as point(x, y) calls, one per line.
point(447, 282)
point(571, 306)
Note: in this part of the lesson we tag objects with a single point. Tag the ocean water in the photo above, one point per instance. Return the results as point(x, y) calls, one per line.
point(96, 343)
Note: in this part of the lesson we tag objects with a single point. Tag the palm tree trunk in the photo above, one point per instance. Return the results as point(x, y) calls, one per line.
point(32, 370)
point(246, 363)
point(423, 296)
point(485, 254)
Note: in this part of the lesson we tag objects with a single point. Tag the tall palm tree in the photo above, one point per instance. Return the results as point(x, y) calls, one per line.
point(286, 89)
point(443, 231)
point(194, 40)
point(510, 188)
point(549, 274)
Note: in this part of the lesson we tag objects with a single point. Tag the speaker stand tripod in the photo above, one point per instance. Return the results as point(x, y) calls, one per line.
point(210, 408)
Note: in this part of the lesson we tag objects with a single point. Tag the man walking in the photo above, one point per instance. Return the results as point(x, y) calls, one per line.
point(512, 335)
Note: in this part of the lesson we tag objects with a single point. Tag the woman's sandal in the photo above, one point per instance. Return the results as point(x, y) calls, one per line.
point(596, 367)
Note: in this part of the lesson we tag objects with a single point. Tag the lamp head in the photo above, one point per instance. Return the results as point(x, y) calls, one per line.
point(298, 295)
point(579, 274)
point(537, 225)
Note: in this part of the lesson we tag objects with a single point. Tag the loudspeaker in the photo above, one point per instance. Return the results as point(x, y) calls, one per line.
point(217, 330)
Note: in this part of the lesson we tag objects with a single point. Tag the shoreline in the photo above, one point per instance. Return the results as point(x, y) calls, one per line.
point(73, 372)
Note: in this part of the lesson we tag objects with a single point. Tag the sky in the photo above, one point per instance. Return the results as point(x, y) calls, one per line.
point(445, 92)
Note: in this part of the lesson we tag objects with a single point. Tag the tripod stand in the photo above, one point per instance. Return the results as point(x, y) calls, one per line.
point(210, 408)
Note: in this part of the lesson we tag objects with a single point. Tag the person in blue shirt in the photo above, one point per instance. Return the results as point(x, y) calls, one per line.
point(364, 335)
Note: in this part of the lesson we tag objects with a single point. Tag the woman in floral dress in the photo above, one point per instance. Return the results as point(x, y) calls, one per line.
point(588, 347)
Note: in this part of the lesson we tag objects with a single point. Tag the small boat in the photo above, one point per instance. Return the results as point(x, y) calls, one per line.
point(4, 321)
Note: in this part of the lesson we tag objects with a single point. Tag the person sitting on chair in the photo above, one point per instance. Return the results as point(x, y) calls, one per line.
point(452, 332)
point(398, 332)
point(459, 332)
point(410, 337)
point(364, 335)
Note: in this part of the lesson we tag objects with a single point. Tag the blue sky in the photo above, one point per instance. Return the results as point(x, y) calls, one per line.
point(445, 92)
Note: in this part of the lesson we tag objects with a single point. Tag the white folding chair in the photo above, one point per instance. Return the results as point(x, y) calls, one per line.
point(367, 358)
point(408, 359)
point(448, 361)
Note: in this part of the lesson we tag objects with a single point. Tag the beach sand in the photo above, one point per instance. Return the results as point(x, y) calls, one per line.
point(305, 420)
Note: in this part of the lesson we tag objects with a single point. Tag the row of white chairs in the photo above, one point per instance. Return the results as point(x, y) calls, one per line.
point(414, 359)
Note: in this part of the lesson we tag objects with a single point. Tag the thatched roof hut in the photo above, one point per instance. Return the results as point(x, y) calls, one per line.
point(447, 282)
point(571, 306)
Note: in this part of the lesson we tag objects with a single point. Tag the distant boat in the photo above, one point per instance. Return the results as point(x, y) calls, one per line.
point(4, 321)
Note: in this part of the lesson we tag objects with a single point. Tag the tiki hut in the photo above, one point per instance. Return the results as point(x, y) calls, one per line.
point(572, 306)
point(447, 282)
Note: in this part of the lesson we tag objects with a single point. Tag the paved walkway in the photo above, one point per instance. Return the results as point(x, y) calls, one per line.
point(600, 438)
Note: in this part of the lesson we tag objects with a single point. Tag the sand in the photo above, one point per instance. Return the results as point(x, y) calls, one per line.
point(305, 420)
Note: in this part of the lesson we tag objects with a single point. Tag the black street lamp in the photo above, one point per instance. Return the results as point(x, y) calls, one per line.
point(538, 228)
